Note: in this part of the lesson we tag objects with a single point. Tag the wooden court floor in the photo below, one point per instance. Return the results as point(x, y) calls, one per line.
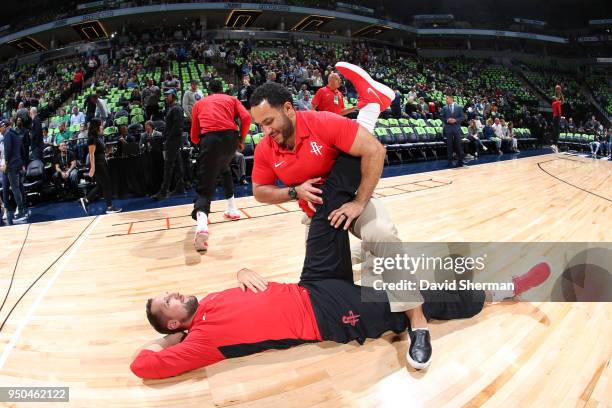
point(80, 324)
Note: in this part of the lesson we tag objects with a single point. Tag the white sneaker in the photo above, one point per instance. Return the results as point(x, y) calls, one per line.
point(232, 215)
point(484, 148)
point(200, 240)
point(20, 219)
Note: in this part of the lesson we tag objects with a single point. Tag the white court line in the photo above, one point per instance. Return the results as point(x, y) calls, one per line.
point(11, 344)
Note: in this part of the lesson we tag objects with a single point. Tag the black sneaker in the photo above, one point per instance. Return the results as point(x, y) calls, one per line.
point(179, 192)
point(419, 352)
point(113, 210)
point(84, 205)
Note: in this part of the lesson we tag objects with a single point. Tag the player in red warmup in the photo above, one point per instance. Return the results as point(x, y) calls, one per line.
point(557, 102)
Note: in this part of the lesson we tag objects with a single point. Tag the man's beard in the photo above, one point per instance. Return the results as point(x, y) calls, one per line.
point(191, 306)
point(287, 130)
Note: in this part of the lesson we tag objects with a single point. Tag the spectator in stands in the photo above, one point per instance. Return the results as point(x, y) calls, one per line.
point(124, 136)
point(47, 139)
point(98, 169)
point(396, 105)
point(591, 125)
point(150, 98)
point(231, 90)
point(82, 131)
point(474, 139)
point(146, 138)
point(190, 97)
point(304, 103)
point(15, 170)
point(452, 116)
point(79, 79)
point(62, 134)
point(423, 108)
point(136, 97)
point(595, 145)
point(245, 92)
point(66, 175)
point(512, 138)
point(77, 116)
point(102, 110)
point(316, 80)
point(330, 99)
point(500, 130)
point(271, 76)
point(489, 134)
point(171, 83)
point(563, 124)
point(36, 139)
point(89, 106)
point(63, 116)
point(173, 132)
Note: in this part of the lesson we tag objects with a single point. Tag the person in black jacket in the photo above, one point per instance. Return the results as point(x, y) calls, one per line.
point(36, 140)
point(89, 106)
point(15, 169)
point(173, 165)
point(98, 169)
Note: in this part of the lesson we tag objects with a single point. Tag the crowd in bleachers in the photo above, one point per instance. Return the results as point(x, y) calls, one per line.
point(127, 95)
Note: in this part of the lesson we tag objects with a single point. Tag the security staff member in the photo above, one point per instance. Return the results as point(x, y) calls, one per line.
point(173, 164)
point(213, 128)
point(452, 116)
point(330, 99)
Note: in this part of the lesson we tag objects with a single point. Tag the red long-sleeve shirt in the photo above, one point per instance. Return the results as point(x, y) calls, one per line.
point(233, 323)
point(218, 112)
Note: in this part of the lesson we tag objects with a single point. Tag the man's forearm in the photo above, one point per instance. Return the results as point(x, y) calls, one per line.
point(271, 194)
point(371, 169)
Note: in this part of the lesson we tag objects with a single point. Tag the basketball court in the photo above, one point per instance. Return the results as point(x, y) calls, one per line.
point(81, 323)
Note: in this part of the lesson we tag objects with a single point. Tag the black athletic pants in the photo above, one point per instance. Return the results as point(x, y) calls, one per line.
point(103, 182)
point(217, 150)
point(173, 168)
point(345, 311)
point(555, 130)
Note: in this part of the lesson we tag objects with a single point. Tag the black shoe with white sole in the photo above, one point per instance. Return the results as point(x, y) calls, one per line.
point(113, 210)
point(419, 352)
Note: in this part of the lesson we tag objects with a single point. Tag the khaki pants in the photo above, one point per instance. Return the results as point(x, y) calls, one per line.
point(376, 231)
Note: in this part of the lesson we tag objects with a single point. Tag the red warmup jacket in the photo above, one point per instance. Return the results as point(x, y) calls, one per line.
point(233, 323)
point(218, 112)
point(556, 108)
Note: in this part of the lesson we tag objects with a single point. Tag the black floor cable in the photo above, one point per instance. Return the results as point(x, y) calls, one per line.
point(15, 268)
point(42, 274)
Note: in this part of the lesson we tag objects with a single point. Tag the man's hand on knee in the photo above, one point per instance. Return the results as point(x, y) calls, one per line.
point(346, 214)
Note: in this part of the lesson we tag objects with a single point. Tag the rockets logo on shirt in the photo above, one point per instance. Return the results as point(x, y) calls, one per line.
point(316, 148)
point(350, 318)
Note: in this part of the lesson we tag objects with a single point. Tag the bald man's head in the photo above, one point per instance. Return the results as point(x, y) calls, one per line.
point(334, 81)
